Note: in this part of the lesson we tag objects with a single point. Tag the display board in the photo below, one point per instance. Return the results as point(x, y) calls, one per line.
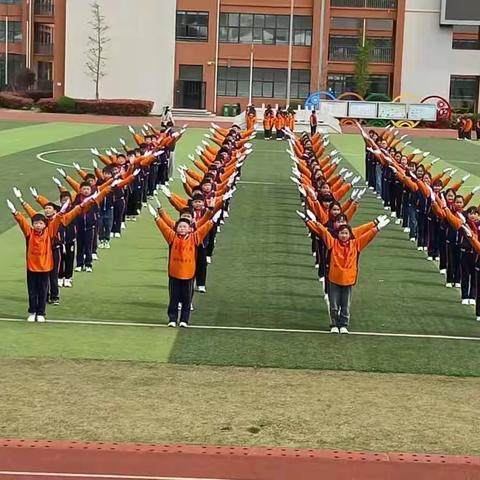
point(363, 109)
point(422, 111)
point(460, 12)
point(337, 108)
point(392, 111)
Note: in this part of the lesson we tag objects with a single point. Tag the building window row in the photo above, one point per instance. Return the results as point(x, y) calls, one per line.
point(466, 38)
point(464, 93)
point(265, 29)
point(345, 49)
point(267, 82)
point(388, 4)
point(192, 26)
point(343, 82)
point(10, 2)
point(14, 32)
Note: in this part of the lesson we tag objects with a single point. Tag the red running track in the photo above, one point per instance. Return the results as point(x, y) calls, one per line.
point(59, 460)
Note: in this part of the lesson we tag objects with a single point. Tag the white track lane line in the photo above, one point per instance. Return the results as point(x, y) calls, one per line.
point(248, 329)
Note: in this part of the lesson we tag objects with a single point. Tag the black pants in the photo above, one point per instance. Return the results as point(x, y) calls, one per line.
point(85, 239)
point(181, 291)
point(201, 267)
point(37, 284)
point(442, 247)
point(210, 241)
point(422, 231)
point(53, 290)
point(477, 282)
point(134, 204)
point(468, 280)
point(396, 197)
point(268, 133)
point(313, 129)
point(118, 211)
point(279, 134)
point(67, 259)
point(433, 237)
point(163, 173)
point(453, 263)
point(152, 179)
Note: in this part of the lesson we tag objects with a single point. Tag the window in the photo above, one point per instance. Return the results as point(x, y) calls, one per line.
point(192, 26)
point(14, 32)
point(343, 49)
point(466, 38)
point(11, 2)
point(16, 63)
point(267, 82)
point(382, 50)
point(389, 4)
point(379, 24)
point(193, 73)
point(342, 23)
point(464, 93)
point(341, 83)
point(264, 29)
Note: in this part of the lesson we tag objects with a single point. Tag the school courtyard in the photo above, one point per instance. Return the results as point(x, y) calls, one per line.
point(257, 367)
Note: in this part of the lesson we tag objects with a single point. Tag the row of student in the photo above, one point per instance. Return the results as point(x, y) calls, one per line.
point(69, 231)
point(191, 238)
point(433, 212)
point(336, 246)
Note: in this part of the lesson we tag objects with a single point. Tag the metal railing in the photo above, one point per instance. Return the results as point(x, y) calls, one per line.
point(349, 54)
point(388, 4)
point(43, 48)
point(44, 7)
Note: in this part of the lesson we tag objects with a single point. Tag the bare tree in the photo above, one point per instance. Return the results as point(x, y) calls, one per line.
point(97, 41)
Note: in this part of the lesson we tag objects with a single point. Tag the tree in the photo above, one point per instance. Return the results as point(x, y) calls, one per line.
point(362, 68)
point(25, 79)
point(97, 41)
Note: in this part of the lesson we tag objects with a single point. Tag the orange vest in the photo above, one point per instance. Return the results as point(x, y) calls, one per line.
point(183, 262)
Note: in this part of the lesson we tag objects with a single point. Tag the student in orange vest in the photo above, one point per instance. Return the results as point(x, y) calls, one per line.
point(251, 117)
point(268, 121)
point(183, 245)
point(344, 252)
point(279, 125)
point(313, 122)
point(467, 128)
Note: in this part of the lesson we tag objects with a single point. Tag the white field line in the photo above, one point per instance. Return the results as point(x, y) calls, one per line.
point(97, 476)
point(247, 329)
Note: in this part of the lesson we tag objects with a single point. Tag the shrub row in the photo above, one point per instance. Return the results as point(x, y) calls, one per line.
point(100, 107)
point(10, 100)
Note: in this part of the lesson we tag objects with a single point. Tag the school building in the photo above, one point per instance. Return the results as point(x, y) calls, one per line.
point(197, 54)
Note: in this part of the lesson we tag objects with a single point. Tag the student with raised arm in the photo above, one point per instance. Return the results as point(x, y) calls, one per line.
point(183, 245)
point(344, 254)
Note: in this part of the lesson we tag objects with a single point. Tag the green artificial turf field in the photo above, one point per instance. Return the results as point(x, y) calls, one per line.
point(262, 277)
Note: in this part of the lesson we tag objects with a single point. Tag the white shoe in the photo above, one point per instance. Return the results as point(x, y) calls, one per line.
point(89, 269)
point(183, 325)
point(317, 266)
point(465, 301)
point(94, 257)
point(40, 319)
point(334, 330)
point(430, 259)
point(413, 239)
point(68, 283)
point(344, 330)
point(370, 188)
point(79, 269)
point(202, 289)
point(31, 318)
point(117, 235)
point(106, 245)
point(61, 282)
point(123, 227)
point(443, 271)
point(226, 214)
point(458, 285)
point(172, 324)
point(406, 230)
point(101, 245)
point(398, 221)
point(379, 197)
point(386, 208)
point(425, 249)
point(420, 249)
point(314, 254)
point(325, 297)
point(218, 229)
point(472, 301)
point(209, 260)
point(449, 285)
point(393, 215)
point(478, 319)
point(321, 279)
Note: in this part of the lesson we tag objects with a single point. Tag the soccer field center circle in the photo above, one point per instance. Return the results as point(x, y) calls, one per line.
point(41, 156)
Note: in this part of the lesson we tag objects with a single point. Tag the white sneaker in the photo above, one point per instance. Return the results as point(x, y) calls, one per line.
point(172, 324)
point(202, 289)
point(40, 319)
point(68, 283)
point(101, 244)
point(413, 239)
point(379, 197)
point(183, 325)
point(219, 229)
point(430, 259)
point(465, 301)
point(473, 301)
point(393, 215)
point(386, 208)
point(370, 188)
point(89, 269)
point(398, 221)
point(94, 256)
point(344, 330)
point(107, 245)
point(321, 279)
point(449, 285)
point(443, 271)
point(123, 227)
point(61, 282)
point(31, 318)
point(317, 266)
point(117, 235)
point(420, 249)
point(458, 285)
point(209, 260)
point(478, 319)
point(425, 249)
point(325, 297)
point(334, 330)
point(406, 230)
point(79, 269)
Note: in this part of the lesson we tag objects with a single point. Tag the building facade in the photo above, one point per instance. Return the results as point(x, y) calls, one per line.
point(198, 53)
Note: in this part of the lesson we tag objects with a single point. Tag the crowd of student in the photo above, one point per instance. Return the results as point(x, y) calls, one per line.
point(429, 208)
point(465, 127)
point(67, 235)
point(336, 246)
